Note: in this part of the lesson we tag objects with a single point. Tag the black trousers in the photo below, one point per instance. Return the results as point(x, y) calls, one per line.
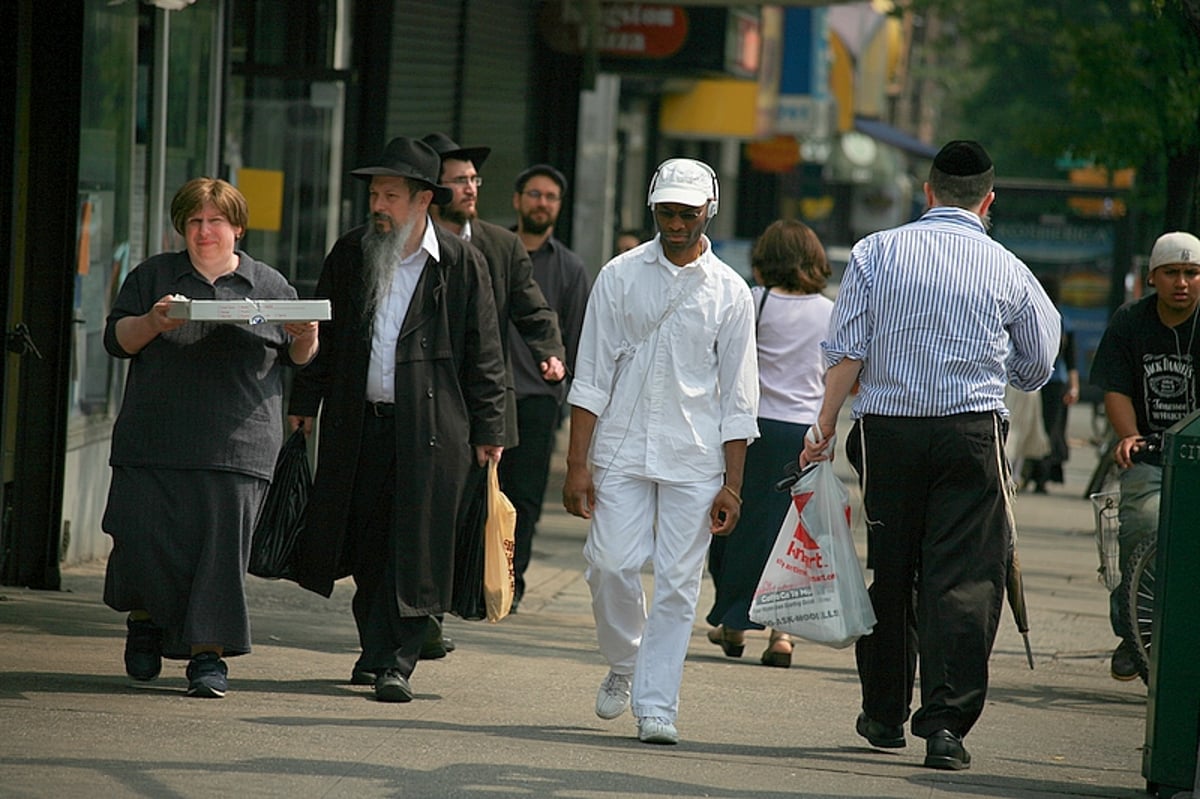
point(938, 538)
point(524, 471)
point(388, 640)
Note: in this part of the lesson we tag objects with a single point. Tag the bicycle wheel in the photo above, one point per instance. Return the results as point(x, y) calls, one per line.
point(1138, 584)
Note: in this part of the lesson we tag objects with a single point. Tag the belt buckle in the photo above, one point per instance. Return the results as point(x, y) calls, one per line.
point(377, 409)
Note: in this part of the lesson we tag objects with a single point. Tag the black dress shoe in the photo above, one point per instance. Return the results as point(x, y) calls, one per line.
point(884, 736)
point(448, 643)
point(362, 677)
point(392, 686)
point(434, 648)
point(944, 750)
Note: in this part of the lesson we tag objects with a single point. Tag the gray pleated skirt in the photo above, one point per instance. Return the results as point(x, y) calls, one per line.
point(181, 543)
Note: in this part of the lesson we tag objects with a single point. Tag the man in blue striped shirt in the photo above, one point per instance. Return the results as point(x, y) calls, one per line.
point(932, 319)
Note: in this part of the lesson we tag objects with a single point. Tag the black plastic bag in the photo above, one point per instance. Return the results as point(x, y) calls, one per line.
point(467, 601)
point(282, 514)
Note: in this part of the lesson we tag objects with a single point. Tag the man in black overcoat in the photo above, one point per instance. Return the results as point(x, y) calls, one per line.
point(519, 299)
point(410, 384)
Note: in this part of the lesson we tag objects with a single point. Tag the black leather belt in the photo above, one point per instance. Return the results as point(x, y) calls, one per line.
point(382, 410)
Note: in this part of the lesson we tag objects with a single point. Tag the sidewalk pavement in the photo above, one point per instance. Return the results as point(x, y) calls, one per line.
point(510, 713)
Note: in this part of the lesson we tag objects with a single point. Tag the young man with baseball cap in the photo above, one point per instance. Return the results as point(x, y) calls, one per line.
point(1146, 366)
point(663, 405)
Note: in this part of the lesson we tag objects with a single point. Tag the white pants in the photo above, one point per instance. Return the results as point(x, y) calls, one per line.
point(636, 521)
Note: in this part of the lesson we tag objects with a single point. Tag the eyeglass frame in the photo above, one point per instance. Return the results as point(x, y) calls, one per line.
point(538, 194)
point(466, 180)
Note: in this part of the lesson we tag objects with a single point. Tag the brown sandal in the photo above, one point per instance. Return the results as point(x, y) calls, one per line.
point(778, 653)
point(732, 642)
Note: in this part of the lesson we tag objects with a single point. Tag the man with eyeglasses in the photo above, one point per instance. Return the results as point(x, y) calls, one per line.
point(1146, 365)
point(520, 304)
point(538, 199)
point(663, 404)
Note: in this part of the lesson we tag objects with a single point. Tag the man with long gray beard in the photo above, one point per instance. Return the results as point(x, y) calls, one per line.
point(410, 384)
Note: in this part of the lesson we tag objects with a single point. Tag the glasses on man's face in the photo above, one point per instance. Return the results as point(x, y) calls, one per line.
point(536, 195)
point(467, 180)
point(667, 214)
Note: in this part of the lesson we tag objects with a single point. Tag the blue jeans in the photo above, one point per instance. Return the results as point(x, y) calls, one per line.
point(1137, 513)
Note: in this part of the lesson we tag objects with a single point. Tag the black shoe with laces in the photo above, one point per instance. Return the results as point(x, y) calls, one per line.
point(143, 649)
point(208, 676)
point(392, 686)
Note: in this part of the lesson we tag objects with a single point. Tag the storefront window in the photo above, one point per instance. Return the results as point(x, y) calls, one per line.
point(130, 52)
point(107, 196)
point(285, 111)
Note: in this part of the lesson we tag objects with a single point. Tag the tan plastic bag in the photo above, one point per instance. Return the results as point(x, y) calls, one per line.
point(499, 546)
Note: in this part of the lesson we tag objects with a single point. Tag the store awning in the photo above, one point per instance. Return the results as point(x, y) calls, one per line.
point(883, 132)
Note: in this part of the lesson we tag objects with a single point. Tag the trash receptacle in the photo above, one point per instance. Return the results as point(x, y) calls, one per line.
point(1173, 708)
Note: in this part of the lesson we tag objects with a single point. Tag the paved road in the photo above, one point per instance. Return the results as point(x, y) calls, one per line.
point(510, 713)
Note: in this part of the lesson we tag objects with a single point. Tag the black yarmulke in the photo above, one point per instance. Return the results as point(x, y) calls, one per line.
point(963, 158)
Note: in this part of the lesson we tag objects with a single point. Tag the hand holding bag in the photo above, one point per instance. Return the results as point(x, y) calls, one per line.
point(812, 585)
point(282, 513)
point(499, 542)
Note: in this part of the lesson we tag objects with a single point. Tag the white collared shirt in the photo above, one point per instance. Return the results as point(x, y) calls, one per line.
point(389, 317)
point(667, 396)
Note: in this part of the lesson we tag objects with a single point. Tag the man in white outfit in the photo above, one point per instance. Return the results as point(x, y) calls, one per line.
point(663, 407)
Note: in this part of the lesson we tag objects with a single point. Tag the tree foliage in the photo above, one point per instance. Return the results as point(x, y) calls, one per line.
point(1112, 82)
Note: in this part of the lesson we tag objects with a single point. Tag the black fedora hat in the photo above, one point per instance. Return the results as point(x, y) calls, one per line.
point(413, 159)
point(447, 148)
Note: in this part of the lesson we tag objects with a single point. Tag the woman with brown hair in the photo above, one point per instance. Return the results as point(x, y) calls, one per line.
point(194, 445)
point(790, 268)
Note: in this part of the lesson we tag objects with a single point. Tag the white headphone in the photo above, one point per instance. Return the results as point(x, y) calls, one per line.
point(714, 200)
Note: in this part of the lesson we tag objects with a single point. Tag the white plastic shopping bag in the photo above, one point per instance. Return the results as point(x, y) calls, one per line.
point(813, 585)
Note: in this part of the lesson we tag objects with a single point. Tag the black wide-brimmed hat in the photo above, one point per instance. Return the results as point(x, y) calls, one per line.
point(447, 148)
point(413, 159)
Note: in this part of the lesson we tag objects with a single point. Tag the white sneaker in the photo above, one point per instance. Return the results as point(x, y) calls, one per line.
point(657, 730)
point(613, 696)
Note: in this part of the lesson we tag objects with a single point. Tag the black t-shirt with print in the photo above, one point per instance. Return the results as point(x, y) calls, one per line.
point(1152, 364)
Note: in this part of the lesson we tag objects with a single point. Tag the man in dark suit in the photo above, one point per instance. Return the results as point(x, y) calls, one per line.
point(410, 385)
point(518, 298)
point(538, 197)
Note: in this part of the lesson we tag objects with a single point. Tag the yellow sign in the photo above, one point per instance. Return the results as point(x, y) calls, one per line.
point(263, 190)
point(712, 108)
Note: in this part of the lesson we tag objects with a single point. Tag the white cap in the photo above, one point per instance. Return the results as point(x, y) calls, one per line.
point(1175, 248)
point(684, 181)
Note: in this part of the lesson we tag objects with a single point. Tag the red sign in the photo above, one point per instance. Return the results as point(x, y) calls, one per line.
point(632, 30)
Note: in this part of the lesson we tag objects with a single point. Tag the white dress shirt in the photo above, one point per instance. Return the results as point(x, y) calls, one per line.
point(389, 317)
point(667, 396)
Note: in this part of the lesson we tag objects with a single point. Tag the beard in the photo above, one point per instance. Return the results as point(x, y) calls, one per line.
point(536, 226)
point(455, 214)
point(383, 250)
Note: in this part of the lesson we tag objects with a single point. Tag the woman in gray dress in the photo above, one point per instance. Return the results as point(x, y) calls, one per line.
point(195, 442)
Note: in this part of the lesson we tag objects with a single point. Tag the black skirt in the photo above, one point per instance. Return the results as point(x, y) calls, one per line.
point(181, 543)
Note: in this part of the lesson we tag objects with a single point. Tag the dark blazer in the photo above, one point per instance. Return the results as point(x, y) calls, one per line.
point(519, 299)
point(449, 390)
